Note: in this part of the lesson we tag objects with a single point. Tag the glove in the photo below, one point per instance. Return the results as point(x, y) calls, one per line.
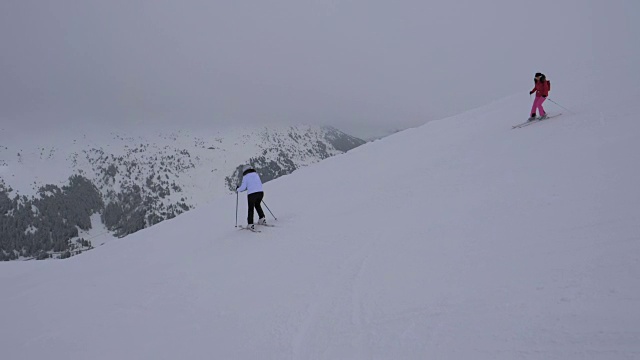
point(531, 92)
point(544, 96)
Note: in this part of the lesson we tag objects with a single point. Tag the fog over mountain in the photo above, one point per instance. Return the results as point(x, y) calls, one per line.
point(365, 67)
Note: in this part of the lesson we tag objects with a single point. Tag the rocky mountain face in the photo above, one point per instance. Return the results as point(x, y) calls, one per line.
point(52, 193)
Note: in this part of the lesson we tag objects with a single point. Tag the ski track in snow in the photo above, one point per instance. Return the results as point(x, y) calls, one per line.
point(318, 324)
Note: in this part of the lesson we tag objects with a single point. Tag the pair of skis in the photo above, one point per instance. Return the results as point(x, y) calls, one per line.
point(245, 227)
point(537, 120)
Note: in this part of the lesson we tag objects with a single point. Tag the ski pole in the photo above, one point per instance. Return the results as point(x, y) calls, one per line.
point(560, 106)
point(265, 204)
point(236, 207)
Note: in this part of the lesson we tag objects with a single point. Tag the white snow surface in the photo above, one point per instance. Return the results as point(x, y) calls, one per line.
point(460, 239)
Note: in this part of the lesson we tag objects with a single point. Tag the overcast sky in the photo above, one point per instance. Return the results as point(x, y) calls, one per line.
point(361, 65)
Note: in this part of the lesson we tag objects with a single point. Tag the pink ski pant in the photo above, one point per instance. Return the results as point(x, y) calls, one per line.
point(537, 105)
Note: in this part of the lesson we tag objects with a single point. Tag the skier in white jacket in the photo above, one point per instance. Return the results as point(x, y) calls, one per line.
point(253, 186)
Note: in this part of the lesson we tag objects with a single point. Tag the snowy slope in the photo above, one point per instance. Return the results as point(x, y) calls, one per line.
point(460, 239)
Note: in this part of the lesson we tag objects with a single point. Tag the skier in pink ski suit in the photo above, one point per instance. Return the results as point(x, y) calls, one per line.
point(541, 88)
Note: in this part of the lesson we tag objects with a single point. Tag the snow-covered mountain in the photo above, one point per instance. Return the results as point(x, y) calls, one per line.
point(134, 181)
point(460, 239)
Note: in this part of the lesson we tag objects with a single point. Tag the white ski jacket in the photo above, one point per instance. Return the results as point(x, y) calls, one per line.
point(251, 183)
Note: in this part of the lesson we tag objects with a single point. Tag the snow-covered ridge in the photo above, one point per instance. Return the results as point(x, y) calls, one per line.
point(144, 179)
point(28, 164)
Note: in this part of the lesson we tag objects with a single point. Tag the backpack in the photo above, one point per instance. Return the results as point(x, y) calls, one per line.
point(543, 78)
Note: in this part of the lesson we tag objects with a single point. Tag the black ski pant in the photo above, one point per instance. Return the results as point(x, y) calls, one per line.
point(254, 201)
